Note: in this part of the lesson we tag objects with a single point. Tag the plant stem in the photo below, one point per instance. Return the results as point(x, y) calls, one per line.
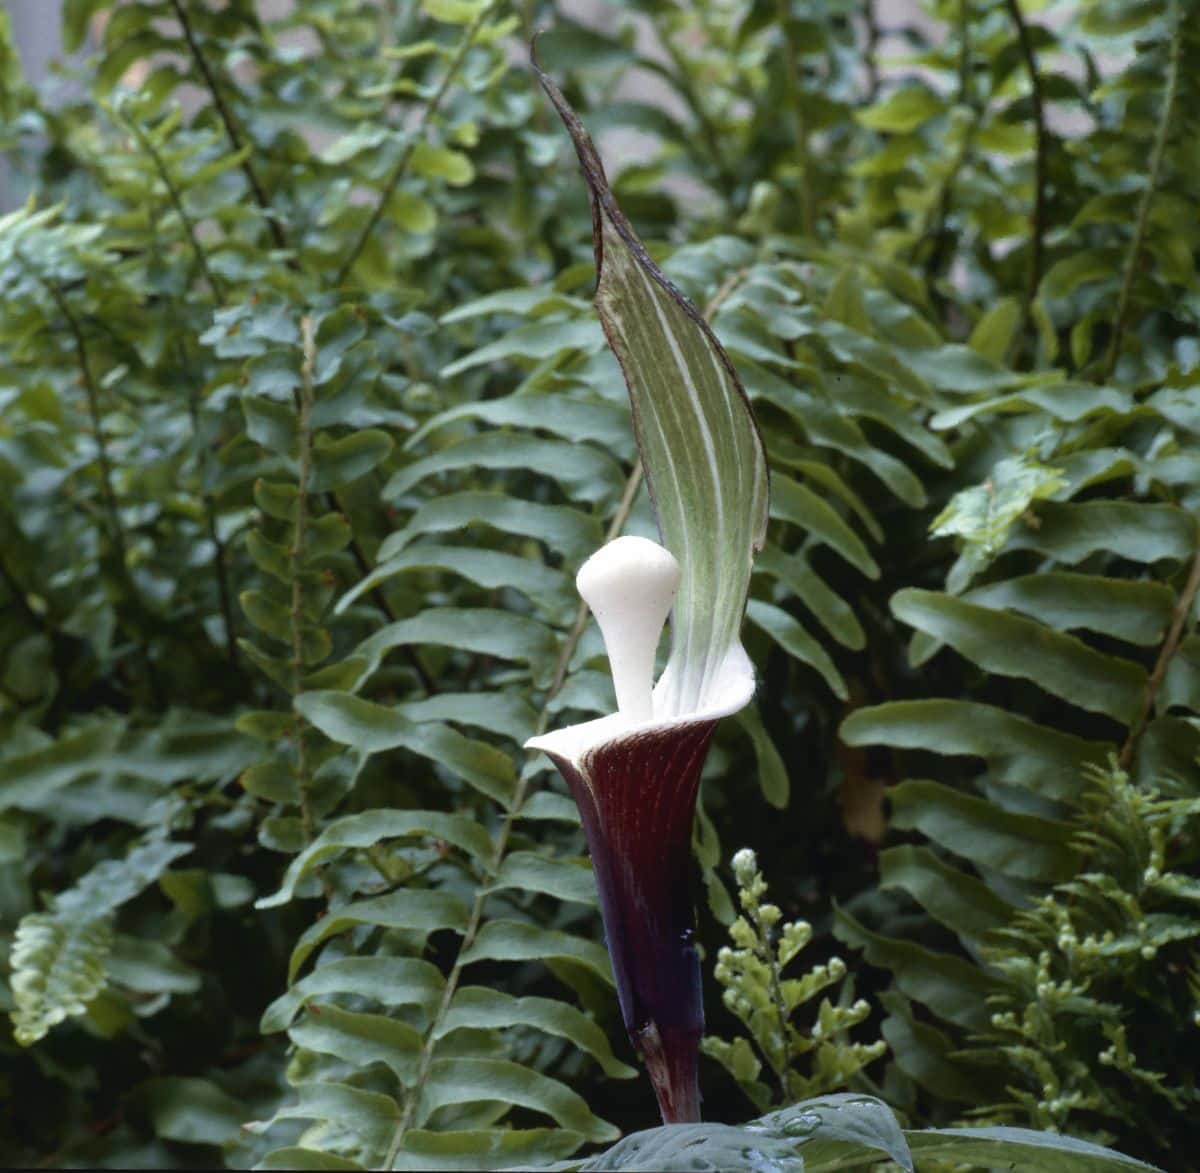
point(402, 164)
point(280, 239)
point(1157, 156)
point(220, 555)
point(937, 254)
point(117, 529)
point(231, 128)
point(1037, 218)
point(964, 50)
point(176, 198)
point(108, 491)
point(296, 563)
point(296, 572)
point(724, 291)
point(795, 99)
point(1170, 645)
point(399, 171)
point(92, 392)
point(681, 82)
point(218, 292)
point(356, 550)
point(776, 989)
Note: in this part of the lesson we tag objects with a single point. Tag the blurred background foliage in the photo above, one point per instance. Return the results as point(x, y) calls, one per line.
point(306, 423)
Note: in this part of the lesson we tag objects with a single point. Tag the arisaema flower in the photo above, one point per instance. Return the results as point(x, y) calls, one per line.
point(634, 774)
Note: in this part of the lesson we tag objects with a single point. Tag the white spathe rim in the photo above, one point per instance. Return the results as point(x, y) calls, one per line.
point(729, 689)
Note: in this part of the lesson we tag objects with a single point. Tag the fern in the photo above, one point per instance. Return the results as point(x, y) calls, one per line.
point(422, 1061)
point(765, 1001)
point(1088, 597)
point(58, 968)
point(1012, 820)
point(1123, 925)
point(58, 958)
point(448, 1061)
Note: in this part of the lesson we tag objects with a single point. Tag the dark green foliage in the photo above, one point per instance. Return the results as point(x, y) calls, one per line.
point(307, 422)
point(1043, 782)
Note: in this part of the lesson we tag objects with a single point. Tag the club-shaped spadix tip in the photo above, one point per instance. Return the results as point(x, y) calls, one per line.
point(630, 584)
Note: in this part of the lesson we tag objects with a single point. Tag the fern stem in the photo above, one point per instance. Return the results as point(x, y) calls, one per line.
point(230, 125)
point(107, 487)
point(1157, 157)
point(220, 551)
point(356, 551)
point(176, 198)
point(220, 554)
point(402, 164)
point(964, 50)
point(795, 96)
point(92, 394)
point(117, 529)
point(1170, 645)
point(1037, 217)
point(937, 258)
point(296, 563)
point(724, 291)
point(260, 196)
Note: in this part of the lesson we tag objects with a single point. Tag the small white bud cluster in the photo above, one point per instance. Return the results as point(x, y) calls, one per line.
point(745, 864)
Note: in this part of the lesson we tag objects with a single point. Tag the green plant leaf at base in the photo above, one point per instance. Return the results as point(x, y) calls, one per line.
point(1021, 1150)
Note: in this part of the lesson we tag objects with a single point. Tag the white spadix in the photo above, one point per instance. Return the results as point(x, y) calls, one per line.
point(630, 584)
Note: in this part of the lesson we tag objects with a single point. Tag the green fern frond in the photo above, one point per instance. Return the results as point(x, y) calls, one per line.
point(57, 969)
point(804, 1061)
point(59, 958)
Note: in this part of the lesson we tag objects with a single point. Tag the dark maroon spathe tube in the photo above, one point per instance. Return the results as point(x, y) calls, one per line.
point(637, 797)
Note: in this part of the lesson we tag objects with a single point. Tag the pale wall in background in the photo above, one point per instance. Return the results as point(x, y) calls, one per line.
point(36, 25)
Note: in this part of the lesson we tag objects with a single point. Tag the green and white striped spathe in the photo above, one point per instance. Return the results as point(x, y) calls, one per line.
point(703, 456)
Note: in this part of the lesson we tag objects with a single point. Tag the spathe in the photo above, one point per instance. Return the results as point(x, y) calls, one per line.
point(635, 773)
